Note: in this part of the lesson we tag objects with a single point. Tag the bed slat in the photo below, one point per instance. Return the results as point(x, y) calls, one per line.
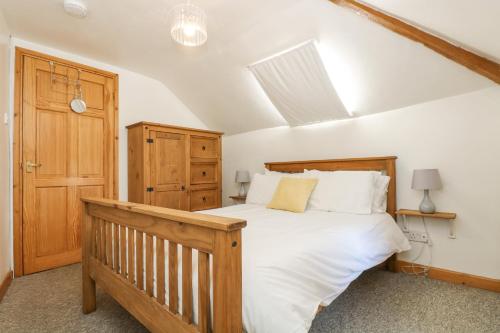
point(109, 245)
point(116, 248)
point(123, 251)
point(93, 240)
point(140, 259)
point(187, 284)
point(149, 265)
point(131, 255)
point(103, 240)
point(173, 287)
point(160, 270)
point(102, 243)
point(97, 223)
point(203, 292)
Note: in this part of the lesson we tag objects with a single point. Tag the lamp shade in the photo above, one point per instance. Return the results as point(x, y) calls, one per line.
point(242, 176)
point(426, 179)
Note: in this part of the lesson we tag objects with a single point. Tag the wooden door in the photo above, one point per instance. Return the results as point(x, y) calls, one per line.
point(168, 163)
point(65, 156)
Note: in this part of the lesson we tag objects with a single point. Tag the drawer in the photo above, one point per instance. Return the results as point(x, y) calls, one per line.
point(204, 199)
point(204, 173)
point(204, 147)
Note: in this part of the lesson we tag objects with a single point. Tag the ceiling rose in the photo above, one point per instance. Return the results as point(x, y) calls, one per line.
point(188, 25)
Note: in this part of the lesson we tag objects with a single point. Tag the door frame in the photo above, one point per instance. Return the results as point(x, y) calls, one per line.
point(17, 144)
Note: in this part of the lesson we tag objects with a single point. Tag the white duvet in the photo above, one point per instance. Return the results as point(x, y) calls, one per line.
point(294, 262)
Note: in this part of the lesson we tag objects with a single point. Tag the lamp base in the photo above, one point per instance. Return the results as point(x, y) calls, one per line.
point(427, 206)
point(242, 192)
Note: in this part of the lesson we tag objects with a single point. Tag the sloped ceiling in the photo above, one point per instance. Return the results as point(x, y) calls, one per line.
point(372, 69)
point(469, 23)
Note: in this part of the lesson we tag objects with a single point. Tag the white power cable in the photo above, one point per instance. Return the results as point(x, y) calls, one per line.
point(420, 270)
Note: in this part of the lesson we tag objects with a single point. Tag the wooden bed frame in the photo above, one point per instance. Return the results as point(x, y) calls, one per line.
point(112, 229)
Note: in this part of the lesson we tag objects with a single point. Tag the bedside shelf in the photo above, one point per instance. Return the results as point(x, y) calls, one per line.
point(450, 217)
point(238, 198)
point(436, 215)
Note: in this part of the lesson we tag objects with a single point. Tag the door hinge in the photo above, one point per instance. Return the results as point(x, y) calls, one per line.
point(149, 189)
point(149, 140)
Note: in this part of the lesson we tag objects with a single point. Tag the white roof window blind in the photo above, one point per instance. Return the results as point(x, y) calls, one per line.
point(298, 85)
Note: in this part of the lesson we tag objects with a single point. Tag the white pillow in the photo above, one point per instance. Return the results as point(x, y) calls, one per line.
point(262, 189)
point(343, 191)
point(380, 194)
point(269, 172)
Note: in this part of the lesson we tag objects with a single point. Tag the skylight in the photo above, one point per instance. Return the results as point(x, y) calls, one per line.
point(298, 85)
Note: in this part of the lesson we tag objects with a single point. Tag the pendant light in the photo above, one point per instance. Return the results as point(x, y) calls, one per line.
point(188, 25)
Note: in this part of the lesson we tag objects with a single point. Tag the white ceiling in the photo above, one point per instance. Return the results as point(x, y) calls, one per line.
point(372, 69)
point(472, 24)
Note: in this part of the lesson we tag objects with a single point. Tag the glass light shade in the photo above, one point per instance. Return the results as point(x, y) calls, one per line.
point(188, 25)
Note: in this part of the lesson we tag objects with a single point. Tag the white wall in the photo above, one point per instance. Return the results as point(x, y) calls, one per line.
point(459, 135)
point(140, 98)
point(5, 266)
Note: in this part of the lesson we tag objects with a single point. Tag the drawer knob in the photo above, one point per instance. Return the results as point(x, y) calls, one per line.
point(204, 199)
point(204, 173)
point(203, 148)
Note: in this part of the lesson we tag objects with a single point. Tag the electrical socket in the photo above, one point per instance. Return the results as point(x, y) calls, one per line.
point(417, 236)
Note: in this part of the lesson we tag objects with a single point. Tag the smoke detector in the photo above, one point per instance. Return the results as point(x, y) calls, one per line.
point(75, 8)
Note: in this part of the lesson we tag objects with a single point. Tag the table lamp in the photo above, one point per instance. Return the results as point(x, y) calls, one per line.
point(242, 177)
point(426, 179)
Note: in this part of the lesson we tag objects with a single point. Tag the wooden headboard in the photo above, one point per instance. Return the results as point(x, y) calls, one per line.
point(386, 164)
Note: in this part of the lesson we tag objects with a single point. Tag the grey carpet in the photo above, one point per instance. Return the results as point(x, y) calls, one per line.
point(376, 302)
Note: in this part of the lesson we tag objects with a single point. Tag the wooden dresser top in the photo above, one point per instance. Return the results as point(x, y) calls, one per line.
point(145, 123)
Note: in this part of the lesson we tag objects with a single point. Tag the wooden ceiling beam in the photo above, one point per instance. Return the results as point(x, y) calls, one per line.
point(471, 60)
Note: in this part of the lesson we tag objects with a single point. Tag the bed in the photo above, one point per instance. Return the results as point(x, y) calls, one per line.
point(237, 267)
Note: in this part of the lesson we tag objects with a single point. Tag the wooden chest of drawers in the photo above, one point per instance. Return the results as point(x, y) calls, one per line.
point(174, 167)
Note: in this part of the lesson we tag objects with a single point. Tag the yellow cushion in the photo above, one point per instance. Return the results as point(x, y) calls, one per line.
point(292, 194)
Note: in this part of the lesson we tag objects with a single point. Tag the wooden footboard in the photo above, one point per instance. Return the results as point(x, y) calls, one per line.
point(122, 240)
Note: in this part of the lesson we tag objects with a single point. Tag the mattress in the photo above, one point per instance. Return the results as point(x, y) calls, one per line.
point(294, 262)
